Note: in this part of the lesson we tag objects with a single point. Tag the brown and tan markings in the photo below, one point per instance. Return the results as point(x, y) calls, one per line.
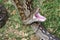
point(24, 7)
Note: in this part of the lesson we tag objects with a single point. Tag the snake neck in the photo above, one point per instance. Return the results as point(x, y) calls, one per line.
point(24, 8)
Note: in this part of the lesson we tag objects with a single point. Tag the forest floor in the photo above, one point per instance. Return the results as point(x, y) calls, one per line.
point(14, 30)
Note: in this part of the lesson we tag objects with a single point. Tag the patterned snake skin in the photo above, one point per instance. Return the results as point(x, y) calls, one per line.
point(24, 8)
point(42, 32)
point(3, 15)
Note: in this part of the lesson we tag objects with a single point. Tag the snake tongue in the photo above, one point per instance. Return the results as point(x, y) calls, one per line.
point(39, 17)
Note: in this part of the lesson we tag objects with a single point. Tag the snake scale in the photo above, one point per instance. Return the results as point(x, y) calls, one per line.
point(3, 15)
point(29, 16)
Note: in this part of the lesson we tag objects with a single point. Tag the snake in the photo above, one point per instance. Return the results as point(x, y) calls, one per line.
point(32, 16)
point(3, 15)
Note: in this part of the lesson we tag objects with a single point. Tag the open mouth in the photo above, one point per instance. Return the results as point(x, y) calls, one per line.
point(39, 17)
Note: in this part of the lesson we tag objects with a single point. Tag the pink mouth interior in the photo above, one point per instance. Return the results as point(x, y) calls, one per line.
point(40, 17)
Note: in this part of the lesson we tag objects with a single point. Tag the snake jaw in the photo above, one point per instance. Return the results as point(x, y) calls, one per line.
point(39, 17)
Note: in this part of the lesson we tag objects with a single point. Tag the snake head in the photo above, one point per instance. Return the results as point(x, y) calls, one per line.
point(38, 17)
point(35, 17)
